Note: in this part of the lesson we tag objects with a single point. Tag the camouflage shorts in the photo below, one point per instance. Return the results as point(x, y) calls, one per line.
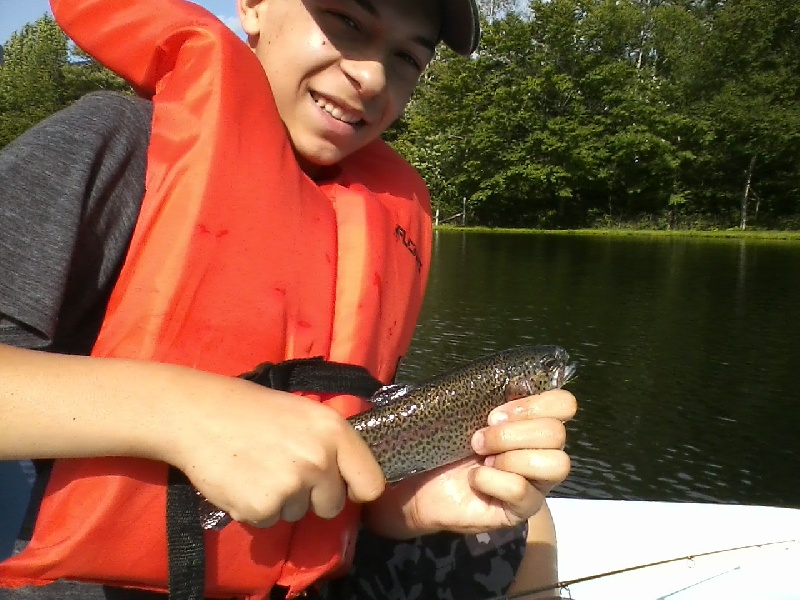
point(442, 566)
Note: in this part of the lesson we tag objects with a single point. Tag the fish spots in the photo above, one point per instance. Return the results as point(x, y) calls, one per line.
point(304, 324)
point(431, 424)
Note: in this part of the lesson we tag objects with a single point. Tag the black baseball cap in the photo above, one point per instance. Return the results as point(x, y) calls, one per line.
point(461, 25)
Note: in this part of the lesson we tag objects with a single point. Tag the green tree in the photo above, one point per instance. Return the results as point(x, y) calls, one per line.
point(750, 94)
point(82, 74)
point(31, 77)
point(41, 75)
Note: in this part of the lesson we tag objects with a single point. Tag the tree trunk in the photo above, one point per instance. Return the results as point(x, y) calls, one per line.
point(743, 219)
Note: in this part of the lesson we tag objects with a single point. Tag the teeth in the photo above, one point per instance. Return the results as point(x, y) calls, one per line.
point(336, 112)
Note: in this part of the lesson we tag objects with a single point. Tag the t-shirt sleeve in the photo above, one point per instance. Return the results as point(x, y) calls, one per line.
point(70, 189)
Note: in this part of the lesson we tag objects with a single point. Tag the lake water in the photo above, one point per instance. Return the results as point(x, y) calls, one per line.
point(687, 350)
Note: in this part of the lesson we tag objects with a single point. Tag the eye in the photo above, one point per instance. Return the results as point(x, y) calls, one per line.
point(345, 19)
point(410, 60)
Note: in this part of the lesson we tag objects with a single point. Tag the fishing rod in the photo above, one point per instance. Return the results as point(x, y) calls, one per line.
point(561, 585)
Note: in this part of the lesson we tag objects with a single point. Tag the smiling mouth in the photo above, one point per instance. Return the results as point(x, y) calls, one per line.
point(337, 112)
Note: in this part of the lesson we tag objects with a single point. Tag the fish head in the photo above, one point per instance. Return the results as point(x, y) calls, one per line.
point(536, 369)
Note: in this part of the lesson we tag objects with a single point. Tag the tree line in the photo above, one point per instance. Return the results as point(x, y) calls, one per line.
point(657, 113)
point(572, 113)
point(41, 73)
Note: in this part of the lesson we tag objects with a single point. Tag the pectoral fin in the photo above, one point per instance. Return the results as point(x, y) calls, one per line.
point(516, 390)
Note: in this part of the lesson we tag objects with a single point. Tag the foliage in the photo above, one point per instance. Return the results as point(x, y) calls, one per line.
point(41, 73)
point(576, 112)
point(572, 113)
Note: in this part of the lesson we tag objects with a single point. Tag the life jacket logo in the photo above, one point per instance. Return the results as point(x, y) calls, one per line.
point(401, 235)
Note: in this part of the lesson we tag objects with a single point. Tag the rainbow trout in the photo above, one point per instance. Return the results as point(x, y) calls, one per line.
point(415, 428)
point(418, 427)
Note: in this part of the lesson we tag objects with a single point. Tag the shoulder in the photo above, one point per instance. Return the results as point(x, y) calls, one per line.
point(98, 123)
point(115, 107)
point(105, 114)
point(114, 104)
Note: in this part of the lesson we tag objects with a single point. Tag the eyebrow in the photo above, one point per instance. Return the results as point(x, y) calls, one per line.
point(369, 7)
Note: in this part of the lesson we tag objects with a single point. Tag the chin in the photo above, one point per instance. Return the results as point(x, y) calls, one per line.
point(322, 157)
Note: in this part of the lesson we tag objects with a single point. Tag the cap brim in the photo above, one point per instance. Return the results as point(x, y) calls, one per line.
point(461, 25)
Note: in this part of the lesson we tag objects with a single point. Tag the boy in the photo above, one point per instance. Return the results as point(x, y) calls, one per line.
point(219, 276)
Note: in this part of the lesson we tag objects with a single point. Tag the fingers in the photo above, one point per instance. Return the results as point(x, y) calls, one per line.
point(520, 480)
point(517, 495)
point(261, 515)
point(295, 507)
point(323, 487)
point(358, 467)
point(326, 499)
point(298, 457)
point(558, 404)
point(358, 475)
point(328, 496)
point(524, 446)
point(544, 469)
point(542, 433)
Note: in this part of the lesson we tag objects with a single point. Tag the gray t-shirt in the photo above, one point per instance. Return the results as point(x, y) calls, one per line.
point(70, 192)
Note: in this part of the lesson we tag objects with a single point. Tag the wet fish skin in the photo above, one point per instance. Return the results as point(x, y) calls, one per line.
point(418, 427)
point(415, 428)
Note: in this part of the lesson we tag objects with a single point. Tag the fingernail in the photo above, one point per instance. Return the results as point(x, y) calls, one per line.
point(478, 441)
point(489, 461)
point(497, 417)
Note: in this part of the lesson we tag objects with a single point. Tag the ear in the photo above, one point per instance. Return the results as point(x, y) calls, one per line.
point(250, 15)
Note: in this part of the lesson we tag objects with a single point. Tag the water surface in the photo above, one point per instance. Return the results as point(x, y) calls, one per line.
point(687, 350)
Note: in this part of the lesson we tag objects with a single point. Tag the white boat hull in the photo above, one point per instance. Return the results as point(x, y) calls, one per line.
point(714, 551)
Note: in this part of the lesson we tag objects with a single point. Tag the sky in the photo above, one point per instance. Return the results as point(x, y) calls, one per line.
point(15, 13)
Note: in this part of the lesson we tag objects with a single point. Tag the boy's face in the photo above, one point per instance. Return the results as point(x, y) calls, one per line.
point(341, 71)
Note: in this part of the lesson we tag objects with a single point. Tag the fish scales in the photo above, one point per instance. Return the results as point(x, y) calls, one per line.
point(416, 428)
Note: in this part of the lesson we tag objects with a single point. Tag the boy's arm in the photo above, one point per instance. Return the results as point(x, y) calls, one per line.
point(59, 406)
point(257, 453)
point(539, 566)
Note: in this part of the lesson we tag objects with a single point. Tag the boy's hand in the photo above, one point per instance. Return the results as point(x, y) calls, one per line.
point(263, 455)
point(258, 454)
point(521, 458)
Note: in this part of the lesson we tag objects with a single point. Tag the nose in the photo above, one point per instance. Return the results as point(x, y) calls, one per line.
point(368, 75)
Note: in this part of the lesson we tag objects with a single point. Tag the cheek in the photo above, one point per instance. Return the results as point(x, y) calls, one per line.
point(399, 97)
point(317, 41)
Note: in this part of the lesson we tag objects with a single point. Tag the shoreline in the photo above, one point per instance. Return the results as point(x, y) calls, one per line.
point(769, 235)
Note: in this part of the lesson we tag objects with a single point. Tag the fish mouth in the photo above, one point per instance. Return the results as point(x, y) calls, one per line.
point(563, 374)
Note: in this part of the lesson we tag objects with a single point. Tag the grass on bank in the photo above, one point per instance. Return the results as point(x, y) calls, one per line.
point(793, 236)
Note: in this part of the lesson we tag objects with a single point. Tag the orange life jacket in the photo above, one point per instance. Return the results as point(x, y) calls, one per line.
point(237, 258)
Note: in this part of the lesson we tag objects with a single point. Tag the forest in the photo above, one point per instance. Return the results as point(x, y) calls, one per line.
point(651, 114)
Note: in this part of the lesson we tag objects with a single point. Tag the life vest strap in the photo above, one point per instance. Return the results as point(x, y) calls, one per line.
point(185, 538)
point(315, 375)
point(186, 549)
